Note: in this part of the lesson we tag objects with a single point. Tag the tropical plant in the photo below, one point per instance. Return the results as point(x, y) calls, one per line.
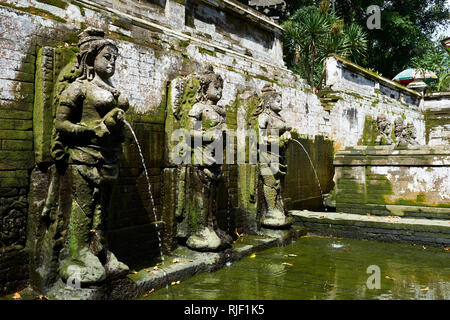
point(312, 33)
point(437, 60)
point(406, 28)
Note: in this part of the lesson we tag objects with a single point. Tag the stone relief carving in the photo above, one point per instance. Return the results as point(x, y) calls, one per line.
point(195, 109)
point(273, 130)
point(88, 136)
point(405, 134)
point(384, 129)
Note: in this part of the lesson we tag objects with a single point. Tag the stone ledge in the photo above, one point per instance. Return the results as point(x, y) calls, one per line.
point(392, 229)
point(390, 156)
point(188, 263)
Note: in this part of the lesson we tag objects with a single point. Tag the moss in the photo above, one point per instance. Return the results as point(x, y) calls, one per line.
point(183, 43)
point(375, 102)
point(218, 50)
point(432, 122)
point(353, 94)
point(57, 3)
point(122, 23)
point(263, 68)
point(370, 132)
point(35, 11)
point(206, 51)
point(234, 61)
point(185, 56)
point(262, 77)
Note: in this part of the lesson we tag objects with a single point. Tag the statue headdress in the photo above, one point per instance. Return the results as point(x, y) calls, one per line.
point(267, 93)
point(90, 42)
point(206, 76)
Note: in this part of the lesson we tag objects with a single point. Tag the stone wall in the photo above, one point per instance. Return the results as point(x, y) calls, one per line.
point(355, 96)
point(409, 182)
point(158, 41)
point(436, 108)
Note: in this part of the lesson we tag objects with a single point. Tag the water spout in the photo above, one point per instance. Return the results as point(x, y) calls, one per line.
point(315, 172)
point(156, 222)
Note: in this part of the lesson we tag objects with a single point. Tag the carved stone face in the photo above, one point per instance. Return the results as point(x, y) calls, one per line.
point(214, 92)
point(275, 103)
point(105, 62)
point(382, 122)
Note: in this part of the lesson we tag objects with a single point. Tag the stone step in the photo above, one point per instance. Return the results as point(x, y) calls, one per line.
point(179, 265)
point(432, 232)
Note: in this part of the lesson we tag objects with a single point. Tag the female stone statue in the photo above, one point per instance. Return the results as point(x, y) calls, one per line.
point(273, 131)
point(207, 128)
point(89, 132)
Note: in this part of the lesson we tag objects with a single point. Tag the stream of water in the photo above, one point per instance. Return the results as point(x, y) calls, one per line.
point(150, 194)
point(315, 172)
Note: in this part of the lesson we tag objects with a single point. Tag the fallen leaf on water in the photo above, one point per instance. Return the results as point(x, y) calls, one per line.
point(16, 296)
point(133, 272)
point(288, 264)
point(390, 278)
point(155, 268)
point(174, 283)
point(290, 255)
point(425, 289)
point(424, 247)
point(145, 295)
point(42, 297)
point(151, 291)
point(176, 260)
point(146, 270)
point(252, 255)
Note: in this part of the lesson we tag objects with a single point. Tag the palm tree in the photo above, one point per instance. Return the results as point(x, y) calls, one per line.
point(312, 33)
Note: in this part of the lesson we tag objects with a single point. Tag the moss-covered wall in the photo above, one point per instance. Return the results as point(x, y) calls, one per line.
point(303, 189)
point(382, 181)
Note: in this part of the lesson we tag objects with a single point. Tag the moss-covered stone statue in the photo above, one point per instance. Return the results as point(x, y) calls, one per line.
point(88, 136)
point(195, 113)
point(273, 131)
point(405, 134)
point(384, 131)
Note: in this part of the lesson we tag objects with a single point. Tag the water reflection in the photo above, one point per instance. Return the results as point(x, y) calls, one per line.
point(325, 268)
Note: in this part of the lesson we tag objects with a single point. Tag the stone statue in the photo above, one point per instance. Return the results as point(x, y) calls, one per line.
point(273, 130)
point(384, 129)
point(405, 134)
point(204, 120)
point(88, 136)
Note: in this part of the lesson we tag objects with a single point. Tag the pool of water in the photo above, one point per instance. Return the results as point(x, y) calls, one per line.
point(324, 268)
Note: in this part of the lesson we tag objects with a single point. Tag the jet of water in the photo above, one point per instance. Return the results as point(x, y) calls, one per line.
point(314, 169)
point(150, 194)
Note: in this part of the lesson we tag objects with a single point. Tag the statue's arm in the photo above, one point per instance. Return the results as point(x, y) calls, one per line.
point(69, 105)
point(264, 131)
point(195, 126)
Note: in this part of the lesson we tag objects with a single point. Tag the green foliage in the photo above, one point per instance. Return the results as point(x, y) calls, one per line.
point(312, 33)
point(435, 59)
point(406, 27)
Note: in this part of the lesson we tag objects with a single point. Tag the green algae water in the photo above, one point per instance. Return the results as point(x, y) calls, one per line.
point(323, 268)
